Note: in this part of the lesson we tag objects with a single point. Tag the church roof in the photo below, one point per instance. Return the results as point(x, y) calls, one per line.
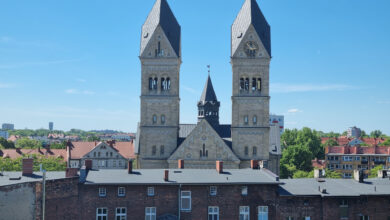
point(208, 93)
point(224, 131)
point(250, 14)
point(161, 15)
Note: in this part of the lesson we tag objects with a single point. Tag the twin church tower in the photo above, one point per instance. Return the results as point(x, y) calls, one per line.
point(161, 139)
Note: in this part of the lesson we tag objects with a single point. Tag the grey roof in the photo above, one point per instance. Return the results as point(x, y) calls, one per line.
point(37, 176)
point(161, 15)
point(334, 187)
point(251, 14)
point(182, 176)
point(224, 131)
point(208, 94)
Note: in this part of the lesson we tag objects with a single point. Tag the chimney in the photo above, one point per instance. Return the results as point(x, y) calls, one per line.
point(180, 164)
point(1, 153)
point(130, 167)
point(318, 173)
point(358, 175)
point(48, 148)
point(18, 150)
point(382, 174)
point(71, 172)
point(88, 164)
point(254, 164)
point(166, 175)
point(83, 174)
point(27, 166)
point(219, 166)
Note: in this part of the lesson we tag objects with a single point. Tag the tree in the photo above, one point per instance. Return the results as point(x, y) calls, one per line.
point(375, 134)
point(28, 143)
point(302, 174)
point(61, 145)
point(374, 171)
point(48, 163)
point(385, 143)
point(330, 143)
point(332, 174)
point(304, 137)
point(294, 158)
point(6, 144)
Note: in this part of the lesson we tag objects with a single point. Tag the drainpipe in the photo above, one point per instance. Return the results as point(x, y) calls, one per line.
point(179, 202)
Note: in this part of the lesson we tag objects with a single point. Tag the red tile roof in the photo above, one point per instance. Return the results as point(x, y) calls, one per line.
point(342, 140)
point(320, 164)
point(79, 149)
point(16, 153)
point(357, 150)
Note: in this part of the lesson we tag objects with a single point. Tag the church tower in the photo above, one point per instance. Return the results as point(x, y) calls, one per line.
point(250, 60)
point(160, 57)
point(208, 106)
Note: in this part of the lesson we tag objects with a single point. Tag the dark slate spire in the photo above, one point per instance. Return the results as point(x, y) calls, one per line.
point(162, 15)
point(250, 14)
point(208, 93)
point(208, 105)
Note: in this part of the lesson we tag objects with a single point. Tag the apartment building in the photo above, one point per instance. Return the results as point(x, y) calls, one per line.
point(345, 159)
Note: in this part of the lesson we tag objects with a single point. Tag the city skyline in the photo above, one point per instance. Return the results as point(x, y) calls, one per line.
point(328, 70)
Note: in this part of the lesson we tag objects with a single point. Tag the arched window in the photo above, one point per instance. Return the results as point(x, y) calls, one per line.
point(110, 154)
point(246, 119)
point(106, 154)
point(150, 83)
point(163, 84)
point(162, 119)
point(253, 84)
point(94, 154)
point(168, 83)
point(246, 151)
point(246, 84)
point(258, 85)
point(254, 151)
point(159, 51)
point(162, 150)
point(154, 150)
point(98, 154)
point(242, 84)
point(155, 81)
point(254, 119)
point(154, 119)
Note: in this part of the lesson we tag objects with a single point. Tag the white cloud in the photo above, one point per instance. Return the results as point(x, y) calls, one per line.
point(293, 110)
point(76, 91)
point(289, 88)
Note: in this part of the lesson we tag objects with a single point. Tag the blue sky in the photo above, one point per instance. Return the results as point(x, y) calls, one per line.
point(76, 62)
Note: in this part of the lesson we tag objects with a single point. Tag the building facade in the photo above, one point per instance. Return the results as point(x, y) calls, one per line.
point(7, 126)
point(51, 126)
point(277, 120)
point(4, 134)
point(354, 132)
point(161, 139)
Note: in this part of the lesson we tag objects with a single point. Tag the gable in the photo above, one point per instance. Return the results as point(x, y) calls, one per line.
point(156, 38)
point(250, 35)
point(204, 143)
point(103, 150)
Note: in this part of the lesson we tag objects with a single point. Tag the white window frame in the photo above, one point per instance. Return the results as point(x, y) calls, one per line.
point(213, 190)
point(150, 213)
point(244, 190)
point(121, 191)
point(213, 213)
point(122, 216)
point(102, 215)
point(244, 213)
point(102, 192)
point(150, 191)
point(182, 197)
point(262, 212)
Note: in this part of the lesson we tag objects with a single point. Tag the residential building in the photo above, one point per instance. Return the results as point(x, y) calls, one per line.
point(346, 159)
point(161, 139)
point(354, 132)
point(189, 194)
point(47, 152)
point(7, 126)
point(346, 141)
point(4, 134)
point(103, 155)
point(51, 126)
point(278, 120)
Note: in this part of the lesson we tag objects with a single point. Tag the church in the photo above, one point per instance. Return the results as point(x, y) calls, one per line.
point(161, 140)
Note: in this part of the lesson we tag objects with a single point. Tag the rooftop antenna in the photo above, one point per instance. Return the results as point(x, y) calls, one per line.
point(208, 67)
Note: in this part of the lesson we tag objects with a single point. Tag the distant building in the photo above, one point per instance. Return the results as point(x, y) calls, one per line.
point(277, 119)
point(345, 141)
point(354, 132)
point(275, 151)
point(51, 126)
point(4, 134)
point(6, 126)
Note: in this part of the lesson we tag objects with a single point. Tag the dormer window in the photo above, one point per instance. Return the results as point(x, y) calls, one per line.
point(162, 119)
point(154, 119)
point(159, 51)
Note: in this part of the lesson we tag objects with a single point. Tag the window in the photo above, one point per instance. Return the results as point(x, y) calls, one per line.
point(246, 151)
point(106, 154)
point(289, 218)
point(121, 191)
point(168, 83)
point(347, 158)
point(254, 84)
point(154, 150)
point(120, 163)
point(102, 192)
point(114, 163)
point(246, 119)
point(244, 212)
point(357, 158)
point(244, 190)
point(186, 200)
point(94, 154)
point(154, 119)
point(162, 119)
point(347, 166)
point(263, 213)
point(347, 175)
point(246, 84)
point(307, 218)
point(162, 150)
point(364, 217)
point(213, 190)
point(306, 202)
point(150, 191)
point(150, 213)
point(163, 84)
point(120, 213)
point(254, 151)
point(98, 154)
point(159, 51)
point(242, 84)
point(150, 83)
point(258, 86)
point(254, 119)
point(101, 214)
point(213, 213)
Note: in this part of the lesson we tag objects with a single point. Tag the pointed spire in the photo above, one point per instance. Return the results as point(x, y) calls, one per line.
point(161, 15)
point(250, 14)
point(208, 94)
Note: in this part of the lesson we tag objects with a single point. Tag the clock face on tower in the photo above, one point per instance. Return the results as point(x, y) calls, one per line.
point(251, 48)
